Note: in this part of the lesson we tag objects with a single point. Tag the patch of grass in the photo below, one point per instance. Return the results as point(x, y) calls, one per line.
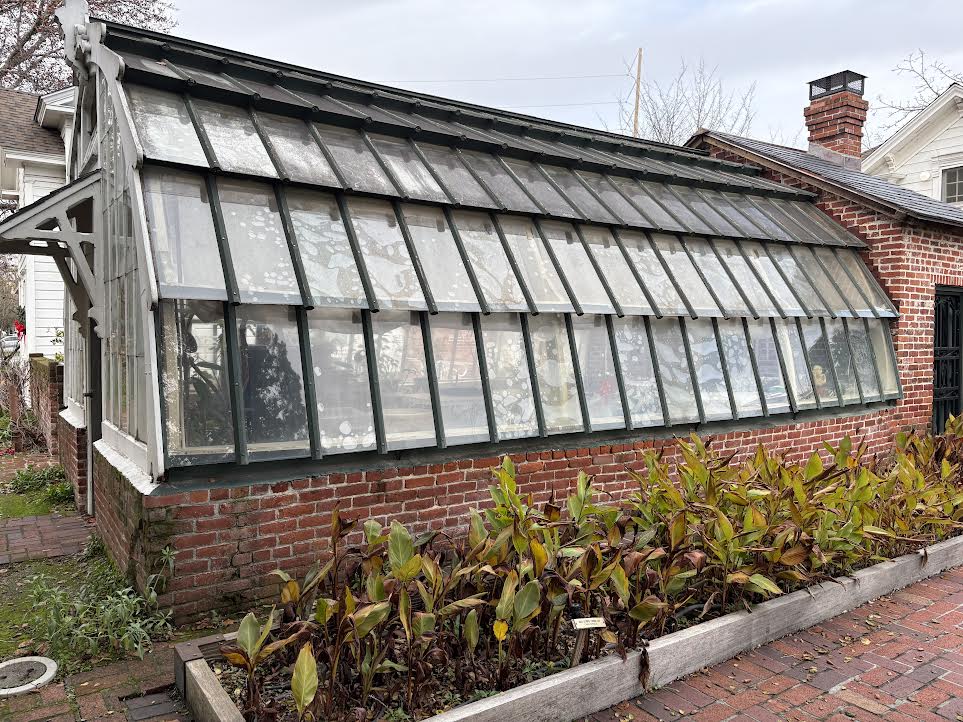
point(35, 491)
point(17, 506)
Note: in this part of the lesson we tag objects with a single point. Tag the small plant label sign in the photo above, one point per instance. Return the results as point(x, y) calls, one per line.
point(588, 623)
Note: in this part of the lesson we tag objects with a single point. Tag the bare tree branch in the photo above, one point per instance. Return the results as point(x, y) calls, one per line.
point(930, 79)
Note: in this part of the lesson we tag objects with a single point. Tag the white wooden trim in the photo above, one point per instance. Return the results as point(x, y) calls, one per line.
point(126, 445)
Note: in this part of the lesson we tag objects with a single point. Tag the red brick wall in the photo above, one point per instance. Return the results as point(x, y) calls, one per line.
point(72, 451)
point(836, 122)
point(46, 396)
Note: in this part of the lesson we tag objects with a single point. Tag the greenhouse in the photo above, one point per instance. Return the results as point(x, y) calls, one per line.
point(272, 263)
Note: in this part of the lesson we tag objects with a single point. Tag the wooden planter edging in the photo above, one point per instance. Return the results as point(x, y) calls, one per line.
point(596, 685)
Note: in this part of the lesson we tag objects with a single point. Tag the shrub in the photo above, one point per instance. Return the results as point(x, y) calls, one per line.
point(36, 478)
point(406, 623)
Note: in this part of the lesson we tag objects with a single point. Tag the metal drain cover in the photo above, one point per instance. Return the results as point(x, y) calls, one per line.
point(24, 674)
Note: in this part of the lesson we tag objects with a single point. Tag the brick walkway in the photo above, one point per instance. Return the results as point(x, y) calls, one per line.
point(42, 537)
point(899, 658)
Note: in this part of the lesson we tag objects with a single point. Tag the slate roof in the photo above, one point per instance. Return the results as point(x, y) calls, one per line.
point(19, 130)
point(902, 199)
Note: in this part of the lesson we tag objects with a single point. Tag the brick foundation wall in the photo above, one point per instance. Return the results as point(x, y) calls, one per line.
point(72, 452)
point(227, 540)
point(46, 396)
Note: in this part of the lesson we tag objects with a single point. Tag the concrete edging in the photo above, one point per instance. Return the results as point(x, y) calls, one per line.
point(604, 682)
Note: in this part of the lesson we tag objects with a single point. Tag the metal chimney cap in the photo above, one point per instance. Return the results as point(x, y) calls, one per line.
point(837, 83)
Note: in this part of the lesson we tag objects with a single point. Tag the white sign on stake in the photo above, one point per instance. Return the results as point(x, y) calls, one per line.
point(588, 623)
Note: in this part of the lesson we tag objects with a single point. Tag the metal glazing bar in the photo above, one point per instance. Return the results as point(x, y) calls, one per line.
point(725, 369)
point(434, 174)
point(415, 259)
point(377, 410)
point(234, 374)
point(732, 278)
point(772, 219)
point(356, 252)
point(702, 276)
point(871, 280)
point(597, 197)
point(310, 392)
point(598, 269)
point(832, 280)
point(785, 279)
point(513, 262)
point(577, 367)
point(891, 349)
point(802, 233)
point(326, 152)
point(809, 363)
point(872, 353)
point(306, 298)
point(518, 181)
point(558, 268)
point(269, 146)
point(690, 361)
point(558, 189)
point(760, 232)
point(485, 380)
point(693, 211)
point(831, 365)
point(665, 209)
point(617, 367)
point(635, 272)
point(805, 272)
point(433, 390)
point(479, 180)
point(670, 274)
point(632, 203)
point(399, 189)
point(784, 368)
point(852, 361)
point(463, 253)
point(533, 374)
point(869, 304)
point(762, 281)
point(233, 294)
point(755, 365)
point(201, 131)
point(656, 372)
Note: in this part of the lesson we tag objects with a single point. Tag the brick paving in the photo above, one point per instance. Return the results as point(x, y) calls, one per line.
point(42, 537)
point(899, 658)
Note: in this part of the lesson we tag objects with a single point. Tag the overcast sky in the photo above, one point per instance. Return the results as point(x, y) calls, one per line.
point(471, 48)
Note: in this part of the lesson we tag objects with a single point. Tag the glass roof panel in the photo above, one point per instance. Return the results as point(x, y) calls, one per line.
point(164, 126)
point(766, 225)
point(797, 279)
point(662, 193)
point(722, 205)
point(555, 372)
point(237, 146)
point(181, 227)
point(577, 267)
point(756, 253)
point(616, 270)
point(716, 277)
point(510, 195)
point(653, 274)
point(340, 368)
point(359, 167)
point(685, 274)
point(488, 260)
point(405, 165)
point(842, 358)
point(708, 369)
point(820, 360)
point(698, 205)
point(598, 372)
point(540, 188)
point(823, 283)
point(790, 221)
point(655, 213)
point(326, 253)
point(800, 383)
point(863, 359)
point(299, 154)
point(385, 254)
point(214, 80)
point(866, 283)
point(444, 269)
point(638, 372)
point(628, 214)
point(766, 353)
point(456, 177)
point(744, 276)
point(850, 291)
point(459, 379)
point(576, 192)
point(508, 376)
point(745, 392)
point(259, 248)
point(674, 370)
point(882, 341)
point(535, 264)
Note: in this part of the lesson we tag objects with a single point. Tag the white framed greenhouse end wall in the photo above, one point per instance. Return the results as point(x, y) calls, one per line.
point(296, 283)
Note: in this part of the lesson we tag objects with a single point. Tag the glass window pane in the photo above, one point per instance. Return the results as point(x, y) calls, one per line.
point(415, 179)
point(795, 360)
point(716, 276)
point(586, 202)
point(385, 254)
point(181, 228)
point(882, 340)
point(299, 154)
point(842, 360)
point(325, 250)
point(863, 359)
point(488, 259)
point(259, 249)
point(195, 389)
point(443, 266)
point(708, 369)
point(672, 203)
point(674, 370)
point(598, 372)
point(686, 275)
point(459, 379)
point(456, 177)
point(764, 266)
point(824, 285)
point(867, 285)
point(359, 167)
point(638, 372)
point(723, 206)
point(508, 376)
point(769, 227)
point(845, 283)
point(403, 380)
point(655, 213)
point(341, 382)
point(510, 195)
point(627, 213)
point(272, 380)
point(767, 362)
point(577, 267)
point(236, 144)
point(164, 126)
point(744, 276)
point(695, 202)
point(797, 279)
point(653, 274)
point(534, 264)
point(745, 392)
point(616, 270)
point(820, 360)
point(540, 188)
point(556, 373)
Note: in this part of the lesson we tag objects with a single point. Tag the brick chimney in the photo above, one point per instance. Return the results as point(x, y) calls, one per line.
point(835, 117)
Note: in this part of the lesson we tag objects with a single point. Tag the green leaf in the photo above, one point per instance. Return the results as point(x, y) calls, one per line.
point(470, 630)
point(372, 531)
point(764, 583)
point(408, 571)
point(527, 603)
point(368, 617)
point(462, 604)
point(878, 531)
point(404, 611)
point(422, 624)
point(504, 608)
point(814, 467)
point(325, 610)
point(621, 583)
point(646, 610)
point(400, 547)
point(247, 635)
point(304, 680)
